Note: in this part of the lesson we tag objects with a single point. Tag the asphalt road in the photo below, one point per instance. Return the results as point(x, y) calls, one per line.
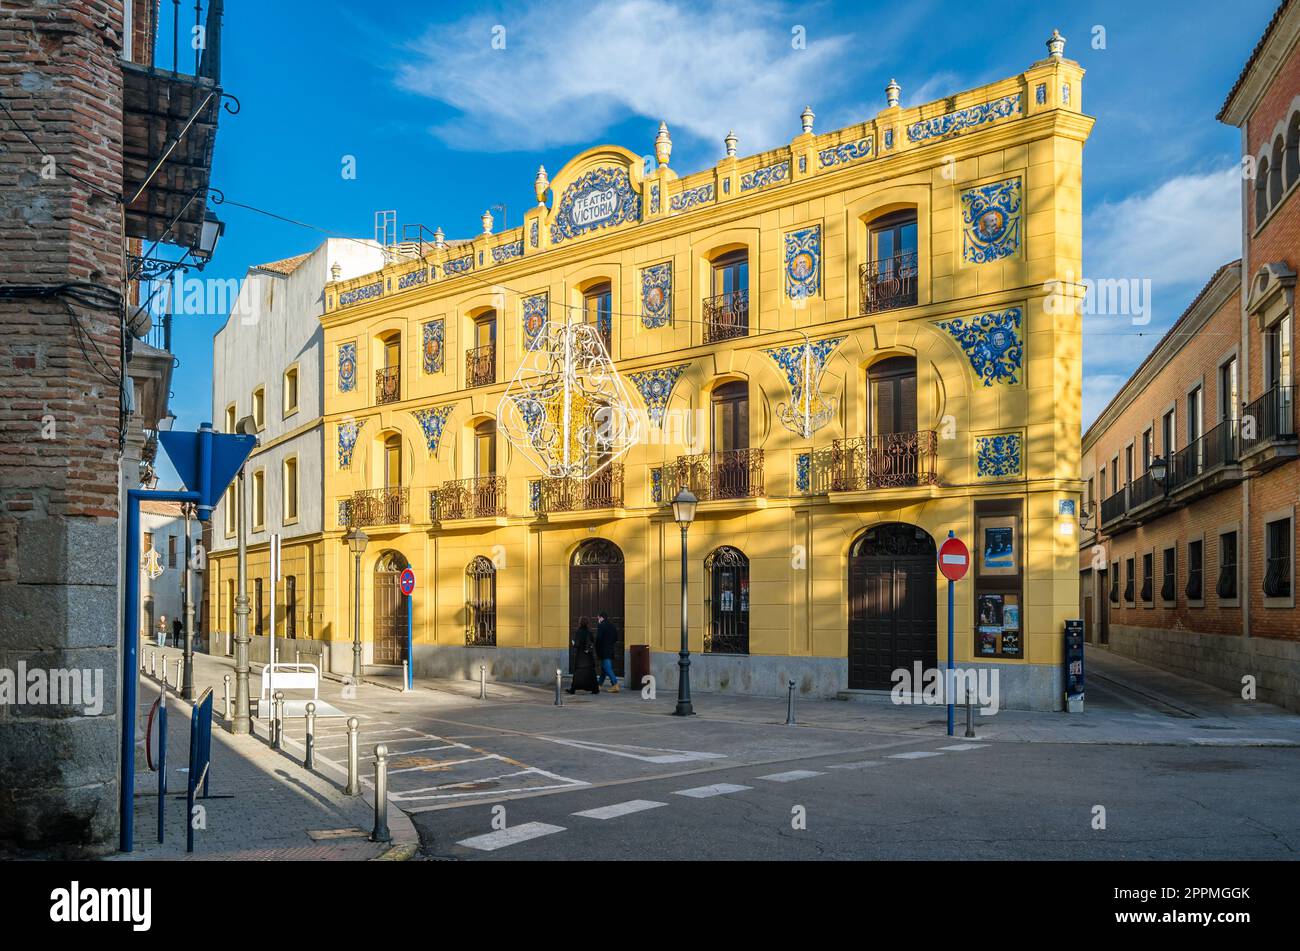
point(976, 801)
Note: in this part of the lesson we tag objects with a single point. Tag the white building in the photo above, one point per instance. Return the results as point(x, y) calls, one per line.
point(267, 363)
point(162, 567)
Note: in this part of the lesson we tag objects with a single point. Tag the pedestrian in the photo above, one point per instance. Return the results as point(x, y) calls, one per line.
point(162, 630)
point(606, 644)
point(177, 628)
point(584, 660)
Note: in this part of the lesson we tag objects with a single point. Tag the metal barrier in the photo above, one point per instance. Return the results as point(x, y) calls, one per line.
point(200, 760)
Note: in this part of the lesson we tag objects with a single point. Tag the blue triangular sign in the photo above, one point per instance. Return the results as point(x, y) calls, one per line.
point(183, 450)
point(228, 454)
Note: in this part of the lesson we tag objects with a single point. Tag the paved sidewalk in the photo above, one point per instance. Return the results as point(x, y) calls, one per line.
point(264, 805)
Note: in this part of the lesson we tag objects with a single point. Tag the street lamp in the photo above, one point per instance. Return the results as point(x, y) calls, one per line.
point(246, 427)
point(683, 514)
point(1159, 470)
point(209, 234)
point(357, 540)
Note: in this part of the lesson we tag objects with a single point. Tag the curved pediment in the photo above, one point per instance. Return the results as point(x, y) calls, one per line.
point(597, 190)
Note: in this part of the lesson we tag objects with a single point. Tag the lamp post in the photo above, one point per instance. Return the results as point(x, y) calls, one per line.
point(357, 540)
point(683, 514)
point(246, 427)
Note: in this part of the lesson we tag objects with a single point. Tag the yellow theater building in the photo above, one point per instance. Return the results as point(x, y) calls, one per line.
point(845, 347)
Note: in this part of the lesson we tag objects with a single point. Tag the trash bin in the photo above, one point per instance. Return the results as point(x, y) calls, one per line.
point(640, 658)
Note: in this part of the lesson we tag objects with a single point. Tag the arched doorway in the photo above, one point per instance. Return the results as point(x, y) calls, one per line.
point(726, 604)
point(892, 610)
point(595, 585)
point(390, 610)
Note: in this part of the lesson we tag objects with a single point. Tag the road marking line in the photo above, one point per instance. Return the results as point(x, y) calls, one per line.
point(915, 754)
point(965, 746)
point(512, 836)
point(659, 754)
point(620, 809)
point(792, 775)
point(717, 789)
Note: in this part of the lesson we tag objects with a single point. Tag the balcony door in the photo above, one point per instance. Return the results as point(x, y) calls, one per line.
point(480, 361)
point(597, 310)
point(730, 433)
point(485, 468)
point(726, 312)
point(893, 456)
point(393, 462)
point(388, 382)
point(889, 277)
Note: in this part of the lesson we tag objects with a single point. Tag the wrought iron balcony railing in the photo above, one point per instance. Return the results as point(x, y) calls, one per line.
point(886, 461)
point(380, 507)
point(483, 497)
point(604, 490)
point(1144, 489)
point(388, 385)
point(1271, 418)
point(726, 316)
point(888, 283)
point(734, 474)
point(1115, 506)
point(1219, 447)
point(481, 365)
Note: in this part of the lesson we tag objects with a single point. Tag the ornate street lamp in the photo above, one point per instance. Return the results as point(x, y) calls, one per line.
point(683, 514)
point(1159, 470)
point(357, 540)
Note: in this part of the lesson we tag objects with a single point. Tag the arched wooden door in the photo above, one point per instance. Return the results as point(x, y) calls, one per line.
point(390, 610)
point(892, 604)
point(595, 585)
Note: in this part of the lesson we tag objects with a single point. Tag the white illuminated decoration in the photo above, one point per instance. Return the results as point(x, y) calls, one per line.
point(809, 409)
point(567, 409)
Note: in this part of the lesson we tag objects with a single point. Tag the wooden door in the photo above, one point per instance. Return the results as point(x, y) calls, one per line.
point(892, 605)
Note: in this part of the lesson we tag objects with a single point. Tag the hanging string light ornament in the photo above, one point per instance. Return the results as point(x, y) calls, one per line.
point(567, 409)
point(809, 409)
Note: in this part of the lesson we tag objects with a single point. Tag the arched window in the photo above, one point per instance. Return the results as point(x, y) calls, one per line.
point(481, 358)
point(392, 461)
point(388, 378)
point(1275, 172)
point(597, 310)
point(1261, 192)
point(1293, 149)
point(888, 278)
point(726, 608)
point(726, 309)
point(481, 603)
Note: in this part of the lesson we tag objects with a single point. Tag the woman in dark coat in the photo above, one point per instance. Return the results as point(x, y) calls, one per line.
point(584, 663)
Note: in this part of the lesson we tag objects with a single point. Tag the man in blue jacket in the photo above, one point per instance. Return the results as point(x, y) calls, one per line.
point(606, 645)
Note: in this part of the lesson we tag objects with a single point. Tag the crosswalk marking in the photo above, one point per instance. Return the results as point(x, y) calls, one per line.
point(620, 809)
point(861, 764)
point(965, 746)
point(792, 775)
point(492, 841)
point(717, 789)
point(915, 754)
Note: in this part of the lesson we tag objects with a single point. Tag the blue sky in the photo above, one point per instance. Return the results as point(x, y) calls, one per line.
point(442, 125)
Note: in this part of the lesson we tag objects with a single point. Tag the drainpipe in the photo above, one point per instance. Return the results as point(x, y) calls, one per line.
point(1243, 563)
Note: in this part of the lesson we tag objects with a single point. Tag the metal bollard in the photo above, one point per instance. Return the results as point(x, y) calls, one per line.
point(180, 677)
point(277, 720)
point(309, 760)
point(153, 663)
point(380, 833)
point(970, 729)
point(789, 707)
point(482, 681)
point(297, 657)
point(227, 680)
point(406, 676)
point(354, 787)
point(559, 678)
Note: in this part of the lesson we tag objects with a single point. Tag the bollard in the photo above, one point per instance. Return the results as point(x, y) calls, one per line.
point(559, 701)
point(309, 760)
point(227, 680)
point(297, 657)
point(354, 787)
point(482, 681)
point(180, 678)
point(406, 676)
point(153, 664)
point(789, 707)
point(970, 730)
point(380, 834)
point(277, 721)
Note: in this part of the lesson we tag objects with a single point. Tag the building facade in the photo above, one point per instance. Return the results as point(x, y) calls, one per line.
point(162, 567)
point(1189, 562)
point(267, 363)
point(846, 347)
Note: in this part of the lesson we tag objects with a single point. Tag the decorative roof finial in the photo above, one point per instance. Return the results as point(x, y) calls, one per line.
point(731, 141)
point(806, 117)
point(663, 145)
point(1056, 44)
point(439, 239)
point(336, 272)
point(487, 222)
point(891, 93)
point(540, 184)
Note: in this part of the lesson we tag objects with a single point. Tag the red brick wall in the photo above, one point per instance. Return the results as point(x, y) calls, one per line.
point(60, 78)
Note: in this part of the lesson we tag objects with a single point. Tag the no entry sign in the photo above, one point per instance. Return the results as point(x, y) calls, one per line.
point(408, 581)
point(954, 559)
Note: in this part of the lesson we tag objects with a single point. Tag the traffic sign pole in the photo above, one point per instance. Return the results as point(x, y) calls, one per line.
point(954, 560)
point(407, 583)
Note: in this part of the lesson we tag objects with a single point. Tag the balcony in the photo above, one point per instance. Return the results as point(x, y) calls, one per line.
point(481, 366)
point(887, 461)
point(604, 490)
point(379, 507)
point(726, 316)
point(1268, 430)
point(1114, 512)
point(888, 284)
point(1207, 464)
point(388, 385)
point(734, 474)
point(484, 497)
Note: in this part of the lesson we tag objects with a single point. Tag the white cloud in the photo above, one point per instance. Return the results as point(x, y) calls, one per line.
point(563, 79)
point(1098, 390)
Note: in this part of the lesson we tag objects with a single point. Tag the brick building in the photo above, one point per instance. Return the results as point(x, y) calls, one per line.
point(96, 160)
point(1191, 469)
